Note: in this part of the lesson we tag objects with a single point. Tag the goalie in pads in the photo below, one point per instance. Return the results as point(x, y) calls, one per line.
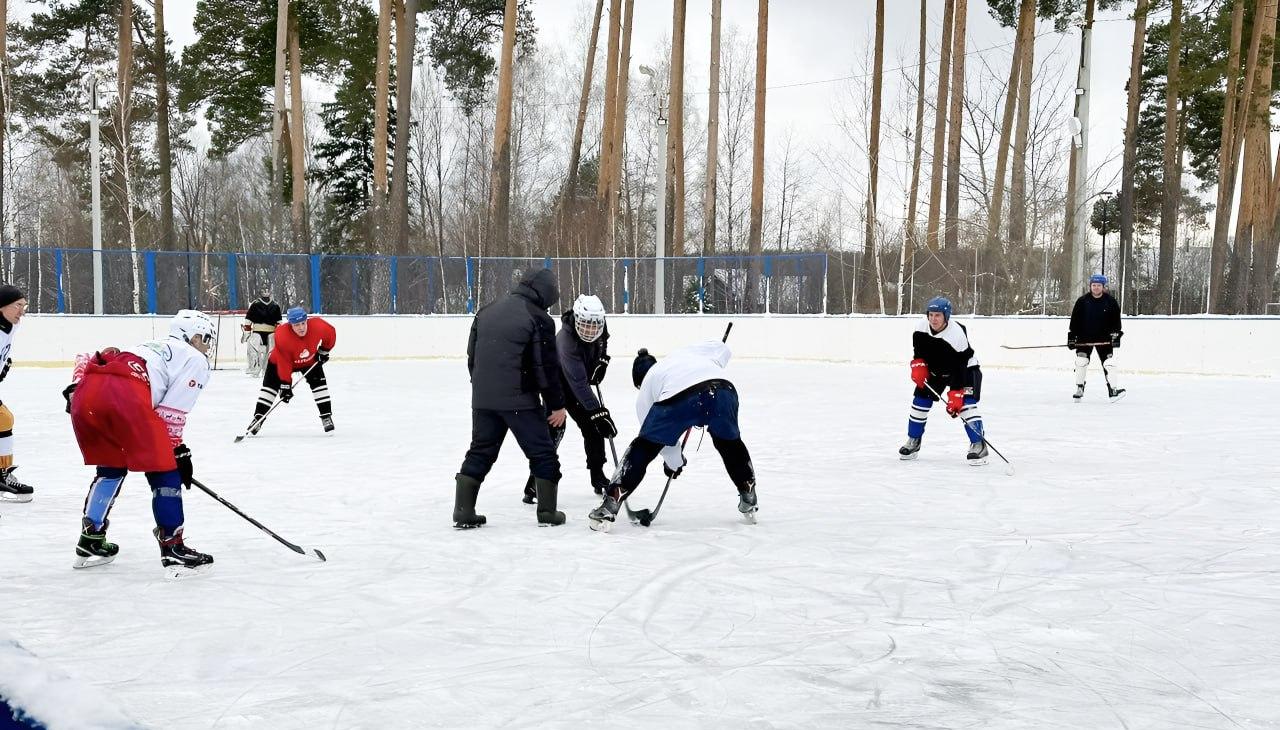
point(259, 332)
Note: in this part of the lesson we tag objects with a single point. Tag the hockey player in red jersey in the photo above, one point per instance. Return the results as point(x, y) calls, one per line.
point(302, 345)
point(128, 410)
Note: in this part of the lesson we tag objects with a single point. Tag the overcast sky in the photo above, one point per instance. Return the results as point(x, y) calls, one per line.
point(815, 41)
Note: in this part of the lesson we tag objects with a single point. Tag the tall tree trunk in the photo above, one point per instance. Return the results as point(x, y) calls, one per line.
point(619, 128)
point(279, 117)
point(610, 108)
point(1229, 150)
point(713, 136)
point(500, 172)
point(868, 288)
point(301, 236)
point(381, 108)
point(575, 152)
point(406, 38)
point(756, 230)
point(675, 130)
point(124, 89)
point(167, 242)
point(1256, 287)
point(995, 215)
point(1172, 167)
point(1018, 175)
point(906, 268)
point(1070, 276)
point(951, 237)
point(940, 128)
point(1130, 157)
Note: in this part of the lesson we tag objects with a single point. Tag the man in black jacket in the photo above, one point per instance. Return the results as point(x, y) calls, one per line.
point(515, 384)
point(583, 347)
point(1095, 319)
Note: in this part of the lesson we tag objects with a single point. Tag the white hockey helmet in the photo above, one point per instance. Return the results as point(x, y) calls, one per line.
point(588, 317)
point(188, 324)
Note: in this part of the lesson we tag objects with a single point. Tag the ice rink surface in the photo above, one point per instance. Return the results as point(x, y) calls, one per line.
point(1125, 577)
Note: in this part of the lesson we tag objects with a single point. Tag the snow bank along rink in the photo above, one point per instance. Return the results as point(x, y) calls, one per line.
point(1124, 577)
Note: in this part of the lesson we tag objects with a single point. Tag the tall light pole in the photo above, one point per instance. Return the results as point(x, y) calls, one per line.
point(91, 82)
point(659, 269)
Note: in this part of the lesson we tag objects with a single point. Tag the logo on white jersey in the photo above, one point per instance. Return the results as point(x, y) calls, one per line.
point(304, 354)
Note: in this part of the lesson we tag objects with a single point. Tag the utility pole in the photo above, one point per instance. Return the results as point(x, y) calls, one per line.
point(95, 176)
point(1080, 155)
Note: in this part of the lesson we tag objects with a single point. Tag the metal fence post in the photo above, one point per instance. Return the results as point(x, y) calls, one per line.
point(768, 281)
point(826, 274)
point(149, 264)
point(702, 284)
point(471, 291)
point(57, 275)
point(626, 286)
point(395, 284)
point(316, 302)
point(233, 282)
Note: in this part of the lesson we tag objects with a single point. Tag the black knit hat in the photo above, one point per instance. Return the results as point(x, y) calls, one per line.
point(640, 366)
point(10, 294)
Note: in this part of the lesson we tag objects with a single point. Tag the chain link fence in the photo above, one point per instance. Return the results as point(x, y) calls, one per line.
point(62, 280)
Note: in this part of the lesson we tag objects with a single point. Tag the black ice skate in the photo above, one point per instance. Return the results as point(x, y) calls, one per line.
point(602, 517)
point(1115, 394)
point(1079, 392)
point(977, 455)
point(327, 422)
point(93, 548)
point(466, 491)
point(12, 490)
point(530, 494)
point(747, 503)
point(179, 560)
point(909, 450)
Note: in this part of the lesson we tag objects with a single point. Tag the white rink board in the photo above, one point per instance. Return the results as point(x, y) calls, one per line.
point(1246, 346)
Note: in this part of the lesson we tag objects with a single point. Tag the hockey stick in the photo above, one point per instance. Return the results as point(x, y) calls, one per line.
point(263, 418)
point(975, 432)
point(645, 516)
point(612, 448)
point(1051, 347)
point(313, 552)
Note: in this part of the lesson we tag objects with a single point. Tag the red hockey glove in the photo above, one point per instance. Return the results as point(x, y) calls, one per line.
point(955, 402)
point(919, 372)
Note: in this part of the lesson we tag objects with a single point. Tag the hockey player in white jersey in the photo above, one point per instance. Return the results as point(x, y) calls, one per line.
point(128, 410)
point(13, 304)
point(687, 389)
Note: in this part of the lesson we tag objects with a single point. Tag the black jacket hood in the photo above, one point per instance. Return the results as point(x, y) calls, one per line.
point(539, 287)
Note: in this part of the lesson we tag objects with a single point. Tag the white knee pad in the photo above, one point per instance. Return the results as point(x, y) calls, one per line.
point(1082, 367)
point(1109, 369)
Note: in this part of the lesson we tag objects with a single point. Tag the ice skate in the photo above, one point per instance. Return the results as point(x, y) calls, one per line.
point(93, 548)
point(12, 490)
point(747, 504)
point(1079, 393)
point(1115, 394)
point(977, 455)
point(602, 517)
point(910, 450)
point(530, 494)
point(327, 422)
point(179, 560)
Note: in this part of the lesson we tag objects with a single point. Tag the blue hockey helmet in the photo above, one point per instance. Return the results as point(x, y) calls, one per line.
point(1098, 279)
point(940, 304)
point(296, 315)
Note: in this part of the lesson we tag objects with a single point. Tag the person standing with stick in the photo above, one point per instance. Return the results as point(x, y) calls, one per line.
point(1095, 318)
point(302, 345)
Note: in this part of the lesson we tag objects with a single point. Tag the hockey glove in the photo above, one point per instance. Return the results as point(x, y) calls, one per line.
point(672, 473)
point(286, 392)
point(603, 423)
point(919, 372)
point(1072, 339)
point(597, 373)
point(66, 393)
point(955, 400)
point(1115, 340)
point(182, 455)
point(322, 356)
point(4, 373)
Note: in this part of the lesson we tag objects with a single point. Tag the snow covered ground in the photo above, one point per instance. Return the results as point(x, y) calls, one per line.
point(1125, 577)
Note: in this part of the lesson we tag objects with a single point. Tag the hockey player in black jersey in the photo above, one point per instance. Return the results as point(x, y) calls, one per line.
point(944, 359)
point(259, 332)
point(1095, 318)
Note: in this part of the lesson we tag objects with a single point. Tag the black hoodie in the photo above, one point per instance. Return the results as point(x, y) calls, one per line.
point(511, 353)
